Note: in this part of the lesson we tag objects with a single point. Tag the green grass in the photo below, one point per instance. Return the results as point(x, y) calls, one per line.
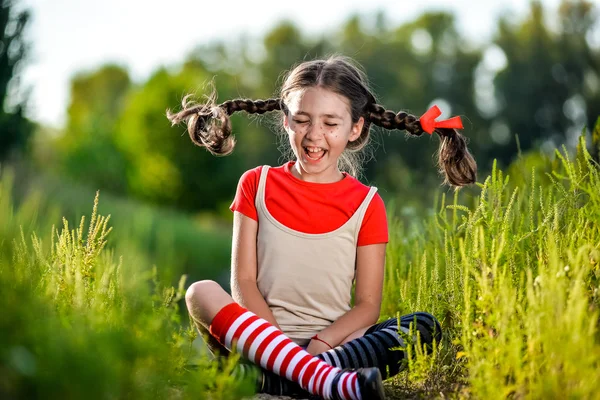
point(514, 277)
point(79, 321)
point(512, 271)
point(176, 243)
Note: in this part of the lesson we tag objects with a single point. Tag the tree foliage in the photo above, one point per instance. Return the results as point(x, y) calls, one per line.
point(15, 129)
point(88, 147)
point(550, 87)
point(543, 85)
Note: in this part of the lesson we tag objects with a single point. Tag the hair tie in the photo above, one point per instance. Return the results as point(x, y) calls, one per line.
point(429, 124)
point(216, 112)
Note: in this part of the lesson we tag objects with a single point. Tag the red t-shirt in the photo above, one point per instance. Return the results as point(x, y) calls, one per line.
point(310, 207)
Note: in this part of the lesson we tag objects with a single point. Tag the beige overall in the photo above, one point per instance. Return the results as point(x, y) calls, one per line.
point(306, 279)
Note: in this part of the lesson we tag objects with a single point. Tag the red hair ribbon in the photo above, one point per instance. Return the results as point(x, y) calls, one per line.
point(428, 122)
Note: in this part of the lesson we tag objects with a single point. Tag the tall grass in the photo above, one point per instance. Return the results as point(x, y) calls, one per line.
point(78, 321)
point(147, 234)
point(513, 274)
point(515, 280)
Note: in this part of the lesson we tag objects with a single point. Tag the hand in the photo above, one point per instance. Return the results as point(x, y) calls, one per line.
point(316, 347)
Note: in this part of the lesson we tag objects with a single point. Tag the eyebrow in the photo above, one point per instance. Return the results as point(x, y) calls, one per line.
point(322, 115)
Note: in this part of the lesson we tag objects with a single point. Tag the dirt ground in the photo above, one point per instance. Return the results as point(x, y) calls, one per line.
point(392, 392)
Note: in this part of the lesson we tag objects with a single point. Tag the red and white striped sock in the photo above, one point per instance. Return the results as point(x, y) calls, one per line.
point(262, 343)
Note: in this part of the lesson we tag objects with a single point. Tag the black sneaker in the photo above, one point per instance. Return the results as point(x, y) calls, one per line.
point(370, 383)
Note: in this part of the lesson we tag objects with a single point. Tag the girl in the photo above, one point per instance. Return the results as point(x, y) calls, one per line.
point(305, 231)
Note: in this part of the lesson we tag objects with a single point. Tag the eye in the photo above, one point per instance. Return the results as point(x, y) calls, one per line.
point(300, 121)
point(331, 124)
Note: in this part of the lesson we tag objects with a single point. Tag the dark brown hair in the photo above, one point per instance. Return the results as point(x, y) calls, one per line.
point(209, 125)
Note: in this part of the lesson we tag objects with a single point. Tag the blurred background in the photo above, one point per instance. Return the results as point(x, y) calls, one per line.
point(85, 87)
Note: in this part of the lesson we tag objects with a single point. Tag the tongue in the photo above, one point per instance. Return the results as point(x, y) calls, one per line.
point(317, 155)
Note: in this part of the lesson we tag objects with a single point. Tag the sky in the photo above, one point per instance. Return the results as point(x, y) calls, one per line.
point(71, 36)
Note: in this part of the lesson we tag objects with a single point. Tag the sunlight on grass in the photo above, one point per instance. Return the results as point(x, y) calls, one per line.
point(513, 274)
point(514, 278)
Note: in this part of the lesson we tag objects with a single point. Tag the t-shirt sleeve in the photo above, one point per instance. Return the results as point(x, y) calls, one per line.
point(374, 228)
point(245, 195)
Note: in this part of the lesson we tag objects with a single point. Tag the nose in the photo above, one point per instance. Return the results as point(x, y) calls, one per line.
point(315, 131)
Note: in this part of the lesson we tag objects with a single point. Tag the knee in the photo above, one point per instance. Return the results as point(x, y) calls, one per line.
point(198, 293)
point(204, 299)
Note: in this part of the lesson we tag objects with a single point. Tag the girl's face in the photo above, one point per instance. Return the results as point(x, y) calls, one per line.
point(319, 126)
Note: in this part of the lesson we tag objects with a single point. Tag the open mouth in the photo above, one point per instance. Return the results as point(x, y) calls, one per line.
point(314, 153)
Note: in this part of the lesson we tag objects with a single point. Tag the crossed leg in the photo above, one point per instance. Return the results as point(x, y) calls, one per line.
point(213, 309)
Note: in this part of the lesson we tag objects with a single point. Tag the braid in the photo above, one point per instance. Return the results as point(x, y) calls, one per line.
point(251, 106)
point(209, 126)
point(390, 120)
point(454, 159)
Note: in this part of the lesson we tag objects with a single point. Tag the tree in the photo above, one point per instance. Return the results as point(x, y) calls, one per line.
point(88, 145)
point(15, 129)
point(162, 164)
point(546, 90)
point(409, 67)
point(581, 62)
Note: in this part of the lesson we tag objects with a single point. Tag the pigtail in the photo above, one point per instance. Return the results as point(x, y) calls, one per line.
point(454, 159)
point(209, 125)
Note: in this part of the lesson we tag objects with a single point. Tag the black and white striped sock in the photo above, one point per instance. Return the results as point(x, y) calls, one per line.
point(376, 347)
point(371, 350)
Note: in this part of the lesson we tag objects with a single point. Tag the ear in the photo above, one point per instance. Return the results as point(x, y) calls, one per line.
point(356, 129)
point(286, 122)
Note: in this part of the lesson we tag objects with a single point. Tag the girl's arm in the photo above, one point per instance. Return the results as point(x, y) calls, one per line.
point(370, 264)
point(244, 289)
